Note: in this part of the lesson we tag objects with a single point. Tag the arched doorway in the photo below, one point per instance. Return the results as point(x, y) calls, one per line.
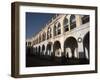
point(57, 52)
point(36, 50)
point(43, 49)
point(70, 47)
point(49, 45)
point(57, 49)
point(86, 45)
point(39, 50)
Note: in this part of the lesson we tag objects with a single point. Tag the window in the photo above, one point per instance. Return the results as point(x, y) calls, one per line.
point(43, 36)
point(57, 29)
point(29, 43)
point(65, 24)
point(39, 38)
point(54, 30)
point(49, 33)
point(85, 19)
point(72, 22)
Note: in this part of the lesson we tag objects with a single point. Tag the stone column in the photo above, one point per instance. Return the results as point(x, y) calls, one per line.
point(78, 20)
point(62, 27)
point(62, 45)
point(52, 30)
point(80, 50)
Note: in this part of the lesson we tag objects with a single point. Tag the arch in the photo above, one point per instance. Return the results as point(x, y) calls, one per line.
point(36, 50)
point(43, 36)
point(70, 46)
point(65, 24)
point(39, 38)
point(57, 49)
point(86, 45)
point(57, 29)
point(43, 49)
point(49, 46)
point(54, 30)
point(49, 35)
point(72, 22)
point(39, 49)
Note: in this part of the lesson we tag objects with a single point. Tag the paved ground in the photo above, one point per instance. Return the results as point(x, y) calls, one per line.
point(33, 61)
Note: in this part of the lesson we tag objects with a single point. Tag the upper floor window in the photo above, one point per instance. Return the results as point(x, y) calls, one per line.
point(54, 30)
point(72, 21)
point(85, 19)
point(33, 42)
point(29, 43)
point(65, 24)
point(57, 29)
point(49, 35)
point(43, 36)
point(39, 38)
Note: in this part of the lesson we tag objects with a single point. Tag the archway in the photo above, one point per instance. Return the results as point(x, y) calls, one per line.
point(70, 47)
point(86, 45)
point(36, 50)
point(57, 49)
point(39, 50)
point(49, 45)
point(43, 49)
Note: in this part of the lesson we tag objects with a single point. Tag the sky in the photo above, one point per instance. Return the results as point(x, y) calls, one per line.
point(35, 22)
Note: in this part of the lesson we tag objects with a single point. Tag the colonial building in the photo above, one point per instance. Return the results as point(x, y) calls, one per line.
point(66, 35)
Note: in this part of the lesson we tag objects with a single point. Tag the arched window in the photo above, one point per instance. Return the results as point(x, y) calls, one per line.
point(57, 29)
point(72, 21)
point(49, 35)
point(65, 24)
point(43, 36)
point(54, 30)
point(85, 19)
point(29, 43)
point(39, 38)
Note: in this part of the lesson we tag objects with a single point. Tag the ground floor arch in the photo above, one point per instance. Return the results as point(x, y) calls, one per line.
point(48, 48)
point(57, 48)
point(70, 47)
point(86, 42)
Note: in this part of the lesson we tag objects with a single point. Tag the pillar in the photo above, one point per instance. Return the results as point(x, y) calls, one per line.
point(80, 50)
point(78, 20)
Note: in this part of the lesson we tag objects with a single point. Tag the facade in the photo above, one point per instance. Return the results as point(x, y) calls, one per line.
point(66, 35)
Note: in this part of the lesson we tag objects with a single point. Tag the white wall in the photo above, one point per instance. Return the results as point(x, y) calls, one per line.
point(5, 43)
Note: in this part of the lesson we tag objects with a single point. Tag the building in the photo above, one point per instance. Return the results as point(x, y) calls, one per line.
point(66, 35)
